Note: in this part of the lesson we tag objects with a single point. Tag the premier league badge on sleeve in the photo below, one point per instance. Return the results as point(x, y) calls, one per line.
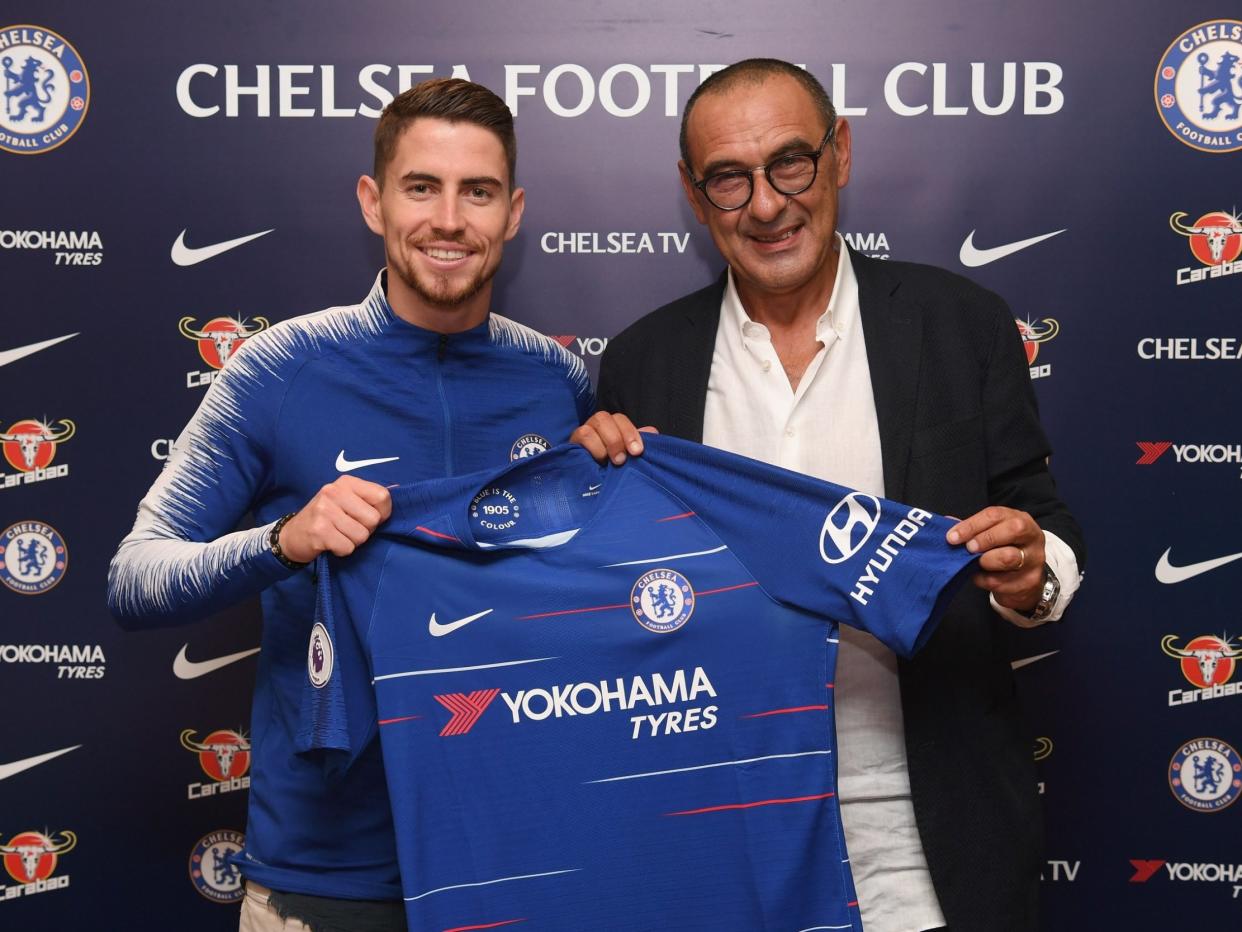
point(46, 90)
point(662, 600)
point(319, 656)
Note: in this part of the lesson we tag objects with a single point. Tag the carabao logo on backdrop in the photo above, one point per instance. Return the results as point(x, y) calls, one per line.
point(1033, 334)
point(1215, 239)
point(623, 90)
point(1199, 86)
point(30, 445)
point(31, 859)
point(217, 340)
point(46, 90)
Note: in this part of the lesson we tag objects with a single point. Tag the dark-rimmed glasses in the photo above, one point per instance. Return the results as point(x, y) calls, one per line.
point(788, 175)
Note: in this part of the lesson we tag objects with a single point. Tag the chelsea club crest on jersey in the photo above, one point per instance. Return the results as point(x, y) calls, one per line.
point(528, 445)
point(662, 600)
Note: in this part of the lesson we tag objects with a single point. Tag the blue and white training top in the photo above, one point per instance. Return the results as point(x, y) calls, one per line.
point(350, 389)
point(604, 695)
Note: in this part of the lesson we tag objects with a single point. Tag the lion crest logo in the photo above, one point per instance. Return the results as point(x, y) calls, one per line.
point(46, 90)
point(1199, 86)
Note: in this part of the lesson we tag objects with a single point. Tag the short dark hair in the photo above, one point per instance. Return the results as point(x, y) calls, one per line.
point(755, 71)
point(450, 99)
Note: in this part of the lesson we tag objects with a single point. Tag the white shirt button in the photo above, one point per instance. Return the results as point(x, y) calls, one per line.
point(767, 364)
point(789, 432)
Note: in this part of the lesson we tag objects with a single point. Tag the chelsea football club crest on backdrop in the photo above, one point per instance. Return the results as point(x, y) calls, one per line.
point(33, 557)
point(1199, 86)
point(1205, 775)
point(47, 90)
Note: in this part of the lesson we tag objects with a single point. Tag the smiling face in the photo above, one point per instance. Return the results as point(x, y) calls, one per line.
point(776, 244)
point(445, 211)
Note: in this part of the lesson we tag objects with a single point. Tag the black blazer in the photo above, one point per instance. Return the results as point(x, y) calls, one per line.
point(959, 430)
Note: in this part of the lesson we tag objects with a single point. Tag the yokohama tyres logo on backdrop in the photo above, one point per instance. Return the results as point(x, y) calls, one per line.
point(1189, 872)
point(1193, 454)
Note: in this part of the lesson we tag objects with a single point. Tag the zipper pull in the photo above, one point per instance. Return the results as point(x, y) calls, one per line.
point(443, 347)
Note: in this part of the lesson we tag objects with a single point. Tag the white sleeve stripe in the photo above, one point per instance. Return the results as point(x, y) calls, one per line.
point(159, 563)
point(506, 332)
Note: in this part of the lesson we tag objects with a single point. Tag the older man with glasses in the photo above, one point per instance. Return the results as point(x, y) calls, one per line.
point(899, 380)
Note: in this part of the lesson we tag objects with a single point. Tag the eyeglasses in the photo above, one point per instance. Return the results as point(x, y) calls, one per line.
point(788, 175)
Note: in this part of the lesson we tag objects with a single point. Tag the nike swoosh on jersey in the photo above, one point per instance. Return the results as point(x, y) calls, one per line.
point(1169, 574)
point(187, 255)
point(17, 766)
point(1027, 661)
point(186, 669)
point(344, 465)
point(18, 352)
point(438, 629)
point(973, 257)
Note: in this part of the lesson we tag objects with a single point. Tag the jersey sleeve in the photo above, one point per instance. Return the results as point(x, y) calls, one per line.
point(874, 564)
point(337, 719)
point(183, 560)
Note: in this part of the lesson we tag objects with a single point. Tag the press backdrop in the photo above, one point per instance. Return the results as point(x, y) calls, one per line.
point(1110, 130)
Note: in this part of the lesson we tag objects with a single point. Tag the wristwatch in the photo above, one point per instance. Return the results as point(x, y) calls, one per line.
point(273, 543)
point(1048, 597)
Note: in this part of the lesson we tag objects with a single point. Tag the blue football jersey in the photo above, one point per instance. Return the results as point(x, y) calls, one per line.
point(604, 695)
point(351, 390)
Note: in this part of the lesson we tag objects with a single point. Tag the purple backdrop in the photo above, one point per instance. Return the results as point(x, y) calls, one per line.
point(974, 123)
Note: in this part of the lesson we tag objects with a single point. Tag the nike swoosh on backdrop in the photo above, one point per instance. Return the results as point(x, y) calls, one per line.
point(186, 669)
point(1169, 574)
point(18, 352)
point(973, 257)
point(17, 766)
point(1027, 661)
point(186, 255)
point(344, 465)
point(438, 630)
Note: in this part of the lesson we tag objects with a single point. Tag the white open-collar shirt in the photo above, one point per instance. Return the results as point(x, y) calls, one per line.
point(827, 428)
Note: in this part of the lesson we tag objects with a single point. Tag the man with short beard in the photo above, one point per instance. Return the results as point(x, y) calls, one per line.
point(306, 428)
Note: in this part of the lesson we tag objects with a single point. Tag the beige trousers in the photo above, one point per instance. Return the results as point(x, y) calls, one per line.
point(258, 916)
